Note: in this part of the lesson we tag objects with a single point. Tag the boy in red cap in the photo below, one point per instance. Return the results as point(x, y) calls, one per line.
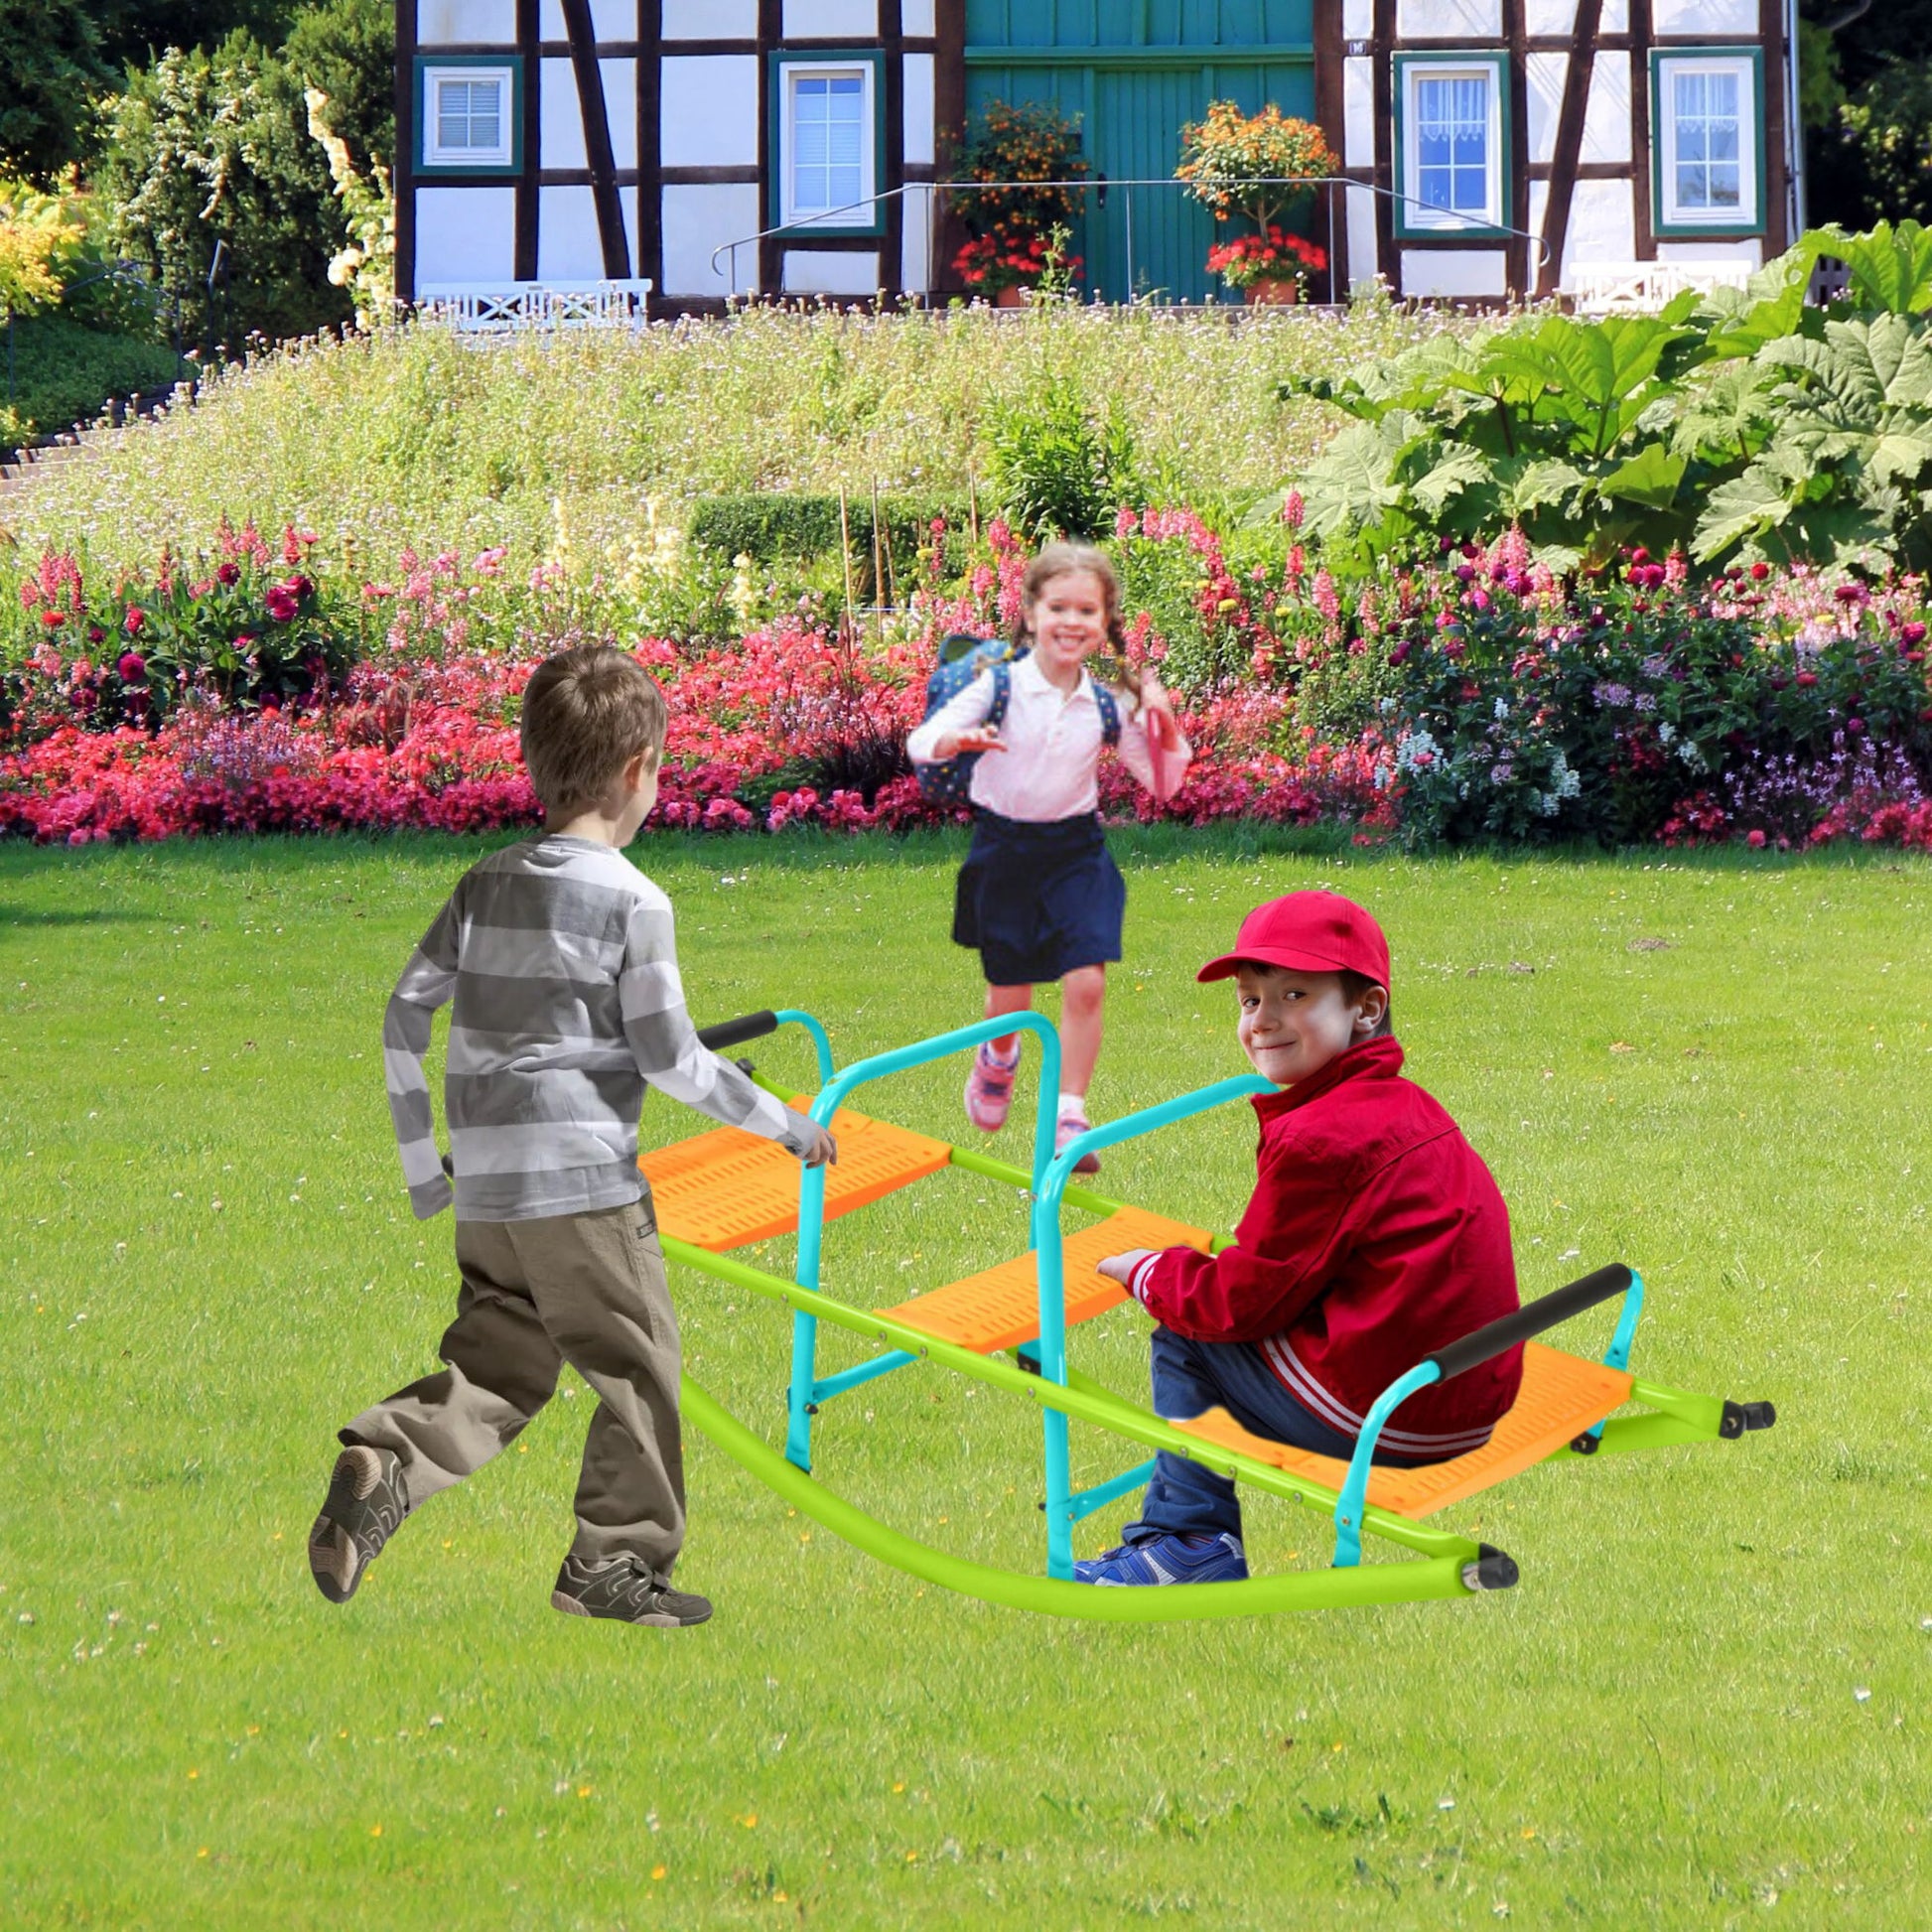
point(1375, 1235)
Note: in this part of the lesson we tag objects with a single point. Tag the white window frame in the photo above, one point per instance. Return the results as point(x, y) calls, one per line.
point(1746, 215)
point(864, 218)
point(1412, 219)
point(500, 157)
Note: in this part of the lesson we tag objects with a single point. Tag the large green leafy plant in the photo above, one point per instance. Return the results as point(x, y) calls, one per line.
point(1745, 425)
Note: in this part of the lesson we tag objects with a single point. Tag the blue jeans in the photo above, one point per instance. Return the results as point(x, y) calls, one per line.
point(1191, 1377)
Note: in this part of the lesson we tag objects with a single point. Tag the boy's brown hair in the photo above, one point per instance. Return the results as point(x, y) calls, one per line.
point(587, 712)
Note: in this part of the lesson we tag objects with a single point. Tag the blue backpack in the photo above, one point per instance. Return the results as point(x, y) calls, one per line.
point(961, 659)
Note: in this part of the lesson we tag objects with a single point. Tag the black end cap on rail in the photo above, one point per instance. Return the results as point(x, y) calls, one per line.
point(1494, 1569)
point(1742, 1416)
point(734, 1032)
point(1532, 1319)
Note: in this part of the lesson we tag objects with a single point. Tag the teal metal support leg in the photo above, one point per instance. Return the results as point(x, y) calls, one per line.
point(1353, 1500)
point(1619, 1354)
point(804, 1328)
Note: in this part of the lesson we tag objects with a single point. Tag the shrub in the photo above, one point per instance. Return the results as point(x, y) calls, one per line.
point(1059, 467)
point(208, 150)
point(65, 374)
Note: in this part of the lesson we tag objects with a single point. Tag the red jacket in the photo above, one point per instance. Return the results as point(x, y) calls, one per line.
point(1375, 1236)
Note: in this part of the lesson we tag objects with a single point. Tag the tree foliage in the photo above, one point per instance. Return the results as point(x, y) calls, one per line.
point(51, 69)
point(217, 185)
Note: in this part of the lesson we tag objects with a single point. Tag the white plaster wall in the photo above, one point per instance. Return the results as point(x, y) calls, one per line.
point(1706, 17)
point(1358, 211)
point(1545, 75)
point(708, 116)
point(563, 118)
point(464, 235)
point(1616, 17)
point(1450, 19)
point(711, 20)
point(1358, 112)
point(921, 113)
point(1538, 209)
point(1549, 17)
point(1752, 250)
point(819, 20)
point(568, 248)
point(1606, 120)
point(1602, 226)
point(914, 267)
point(697, 218)
point(918, 19)
point(808, 272)
point(1452, 271)
point(1357, 20)
point(611, 20)
point(563, 114)
point(449, 23)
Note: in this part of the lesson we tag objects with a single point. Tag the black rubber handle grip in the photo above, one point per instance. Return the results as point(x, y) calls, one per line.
point(1558, 1306)
point(734, 1032)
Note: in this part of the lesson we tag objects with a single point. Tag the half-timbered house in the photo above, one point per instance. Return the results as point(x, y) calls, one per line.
point(585, 150)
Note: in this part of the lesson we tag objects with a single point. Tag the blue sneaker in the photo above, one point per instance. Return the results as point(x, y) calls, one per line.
point(1168, 1559)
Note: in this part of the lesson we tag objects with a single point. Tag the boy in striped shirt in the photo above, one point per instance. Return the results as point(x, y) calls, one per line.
point(561, 960)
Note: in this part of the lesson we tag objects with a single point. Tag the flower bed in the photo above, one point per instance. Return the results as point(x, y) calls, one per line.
point(269, 687)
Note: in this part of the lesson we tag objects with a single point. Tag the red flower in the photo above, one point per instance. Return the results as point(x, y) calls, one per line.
point(226, 574)
point(133, 622)
point(54, 619)
point(133, 667)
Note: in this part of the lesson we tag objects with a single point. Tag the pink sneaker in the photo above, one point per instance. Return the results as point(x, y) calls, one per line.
point(988, 1089)
point(1072, 1125)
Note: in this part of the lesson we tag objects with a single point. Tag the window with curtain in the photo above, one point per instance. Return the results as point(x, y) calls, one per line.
point(1706, 138)
point(1450, 133)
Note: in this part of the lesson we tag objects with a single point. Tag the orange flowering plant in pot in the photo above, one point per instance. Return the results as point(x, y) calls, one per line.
point(1261, 167)
point(1024, 153)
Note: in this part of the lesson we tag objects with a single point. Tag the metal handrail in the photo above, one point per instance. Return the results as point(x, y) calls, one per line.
point(802, 231)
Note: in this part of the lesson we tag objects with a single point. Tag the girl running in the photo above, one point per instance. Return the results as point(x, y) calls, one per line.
point(1039, 896)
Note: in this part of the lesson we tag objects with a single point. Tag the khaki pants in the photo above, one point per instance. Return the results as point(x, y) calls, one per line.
point(584, 1289)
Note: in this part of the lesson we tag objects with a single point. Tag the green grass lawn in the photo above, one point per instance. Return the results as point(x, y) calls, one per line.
point(1706, 1704)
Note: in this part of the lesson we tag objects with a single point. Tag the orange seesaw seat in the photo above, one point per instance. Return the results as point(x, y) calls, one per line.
point(1562, 1396)
point(999, 1307)
point(726, 1189)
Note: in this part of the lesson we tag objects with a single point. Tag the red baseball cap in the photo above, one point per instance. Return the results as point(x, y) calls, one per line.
point(1309, 932)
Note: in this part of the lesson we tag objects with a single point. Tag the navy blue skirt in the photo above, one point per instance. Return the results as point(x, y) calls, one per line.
point(1038, 900)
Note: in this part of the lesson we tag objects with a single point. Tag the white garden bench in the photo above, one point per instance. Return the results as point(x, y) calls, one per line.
point(1640, 288)
point(503, 308)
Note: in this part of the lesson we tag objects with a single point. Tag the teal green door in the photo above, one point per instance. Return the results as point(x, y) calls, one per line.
point(1136, 74)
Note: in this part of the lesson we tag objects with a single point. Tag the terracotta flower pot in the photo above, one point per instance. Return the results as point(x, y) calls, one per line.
point(1273, 294)
point(1011, 296)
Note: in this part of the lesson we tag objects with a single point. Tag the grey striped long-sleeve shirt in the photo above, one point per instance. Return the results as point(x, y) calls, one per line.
point(561, 958)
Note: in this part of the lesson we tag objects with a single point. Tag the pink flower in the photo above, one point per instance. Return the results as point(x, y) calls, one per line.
point(1756, 841)
point(133, 622)
point(133, 667)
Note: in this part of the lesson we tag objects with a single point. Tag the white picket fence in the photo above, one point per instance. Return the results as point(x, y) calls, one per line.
point(506, 308)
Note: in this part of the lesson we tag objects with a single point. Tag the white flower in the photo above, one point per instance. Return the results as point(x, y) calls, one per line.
point(1665, 733)
point(1502, 707)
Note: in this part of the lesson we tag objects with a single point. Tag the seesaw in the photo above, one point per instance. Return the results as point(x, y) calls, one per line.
point(727, 1188)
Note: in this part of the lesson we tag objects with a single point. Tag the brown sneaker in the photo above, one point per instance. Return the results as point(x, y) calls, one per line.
point(363, 1509)
point(623, 1589)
